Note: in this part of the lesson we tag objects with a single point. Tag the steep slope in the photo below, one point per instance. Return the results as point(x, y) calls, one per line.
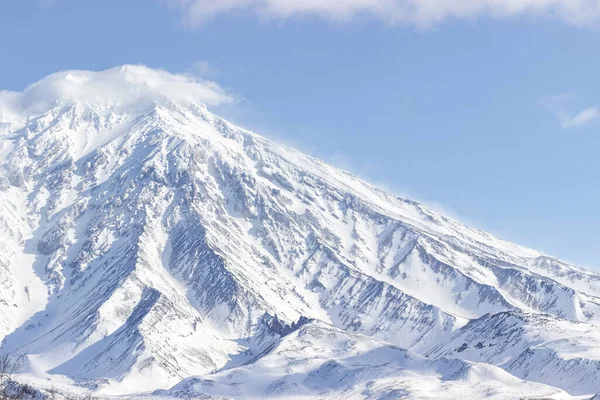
point(145, 239)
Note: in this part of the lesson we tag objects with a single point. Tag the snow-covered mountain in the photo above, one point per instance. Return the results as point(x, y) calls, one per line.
point(146, 243)
point(533, 347)
point(319, 361)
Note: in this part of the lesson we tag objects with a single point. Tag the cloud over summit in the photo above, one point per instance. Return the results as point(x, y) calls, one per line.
point(125, 86)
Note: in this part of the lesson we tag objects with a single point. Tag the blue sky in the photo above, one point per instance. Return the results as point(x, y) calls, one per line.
point(487, 113)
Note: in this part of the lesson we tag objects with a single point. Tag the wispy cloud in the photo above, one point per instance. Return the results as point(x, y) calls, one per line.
point(422, 13)
point(560, 105)
point(204, 69)
point(581, 118)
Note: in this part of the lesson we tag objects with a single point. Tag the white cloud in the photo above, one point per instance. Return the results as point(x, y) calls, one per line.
point(204, 69)
point(583, 117)
point(558, 104)
point(126, 86)
point(422, 13)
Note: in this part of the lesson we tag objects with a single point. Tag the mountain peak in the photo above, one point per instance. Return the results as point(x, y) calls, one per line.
point(126, 88)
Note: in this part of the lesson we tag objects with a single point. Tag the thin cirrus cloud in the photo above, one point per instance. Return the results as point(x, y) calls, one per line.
point(582, 118)
point(204, 69)
point(422, 13)
point(560, 107)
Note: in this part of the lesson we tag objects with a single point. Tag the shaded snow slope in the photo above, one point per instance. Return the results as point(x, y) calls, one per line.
point(533, 347)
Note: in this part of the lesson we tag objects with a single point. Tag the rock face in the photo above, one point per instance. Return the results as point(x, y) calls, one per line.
point(145, 242)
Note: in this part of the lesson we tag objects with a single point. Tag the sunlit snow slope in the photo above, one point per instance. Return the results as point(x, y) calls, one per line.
point(144, 241)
